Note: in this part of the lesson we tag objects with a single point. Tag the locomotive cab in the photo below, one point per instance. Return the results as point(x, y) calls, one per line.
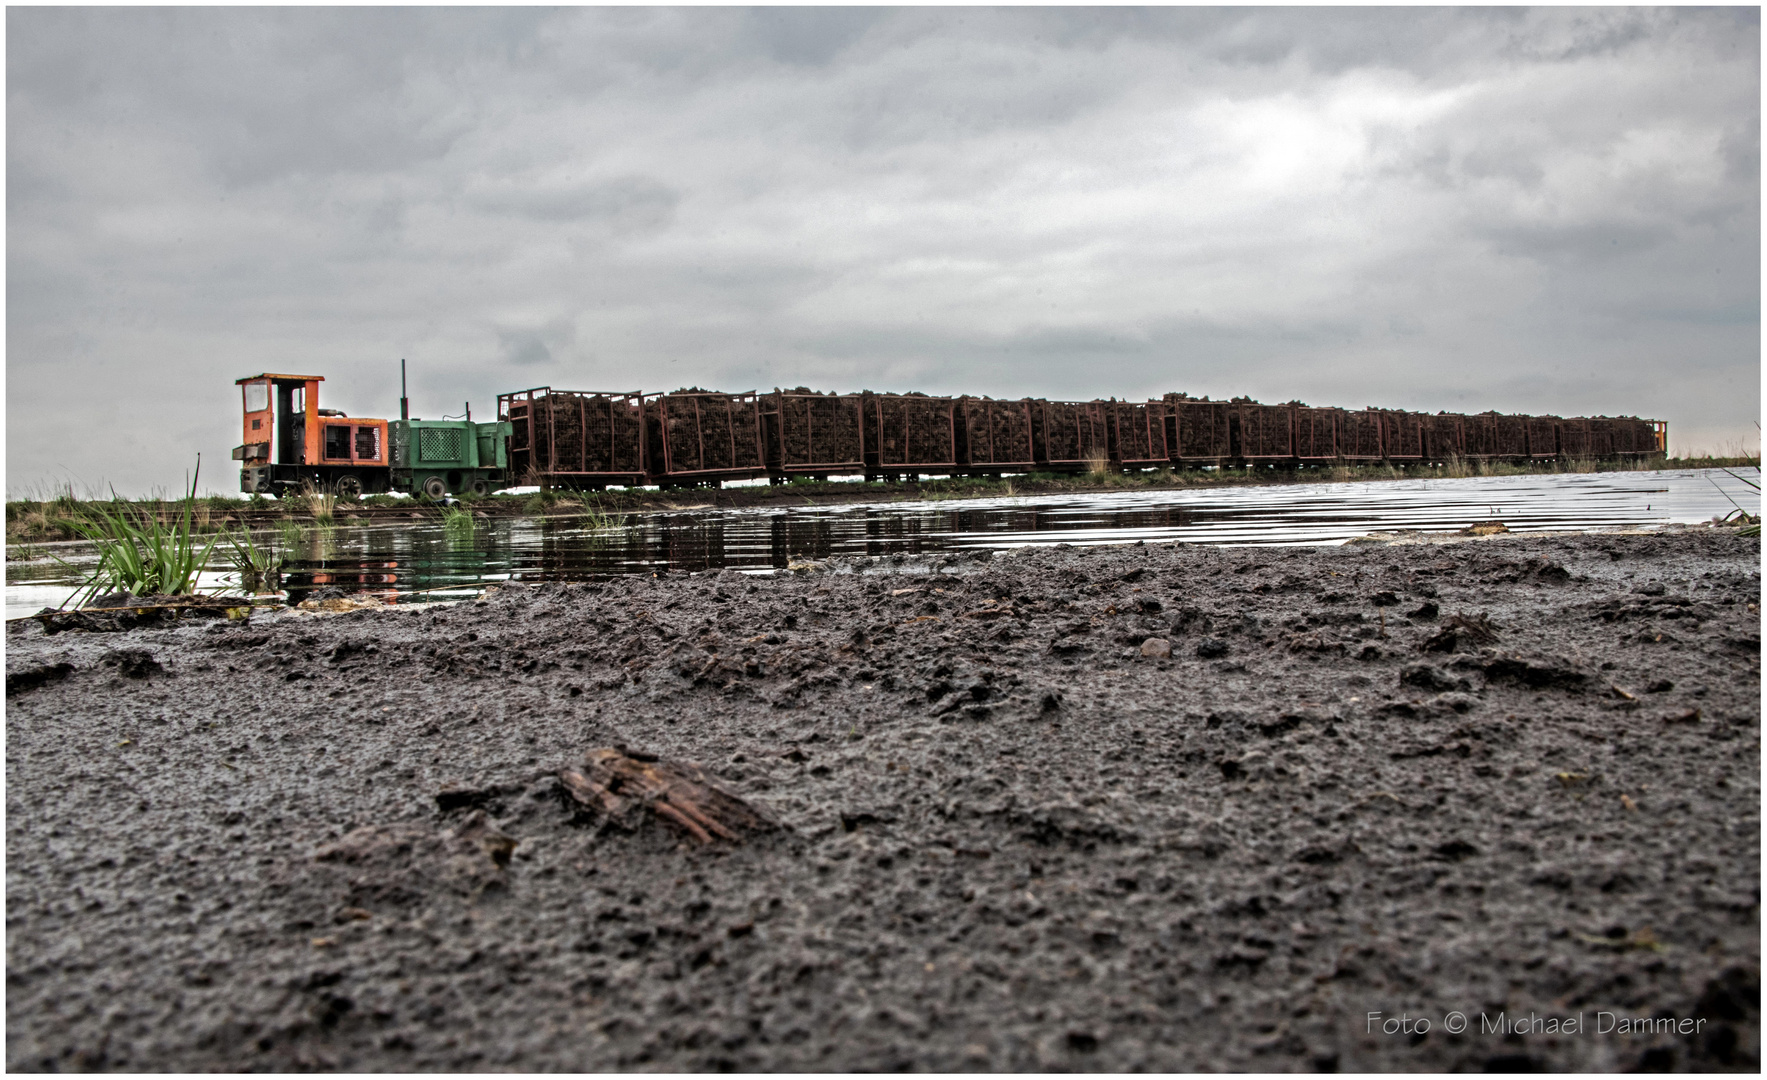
point(290, 442)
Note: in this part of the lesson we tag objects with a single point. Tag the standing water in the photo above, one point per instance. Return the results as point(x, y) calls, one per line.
point(421, 561)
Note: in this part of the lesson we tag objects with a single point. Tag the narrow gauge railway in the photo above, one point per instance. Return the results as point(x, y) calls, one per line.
point(693, 437)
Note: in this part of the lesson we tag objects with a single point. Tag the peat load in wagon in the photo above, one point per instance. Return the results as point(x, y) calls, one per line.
point(1199, 430)
point(1401, 435)
point(565, 433)
point(1602, 442)
point(1359, 435)
point(591, 433)
point(697, 431)
point(811, 431)
point(1542, 432)
point(1266, 432)
point(1138, 433)
point(910, 432)
point(1444, 435)
point(1479, 435)
point(1512, 435)
point(1315, 432)
point(1573, 436)
point(1634, 436)
point(996, 432)
point(1071, 433)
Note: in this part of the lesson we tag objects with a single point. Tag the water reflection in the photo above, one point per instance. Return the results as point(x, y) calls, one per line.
point(420, 560)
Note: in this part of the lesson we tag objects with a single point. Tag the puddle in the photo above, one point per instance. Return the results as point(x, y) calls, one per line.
point(421, 562)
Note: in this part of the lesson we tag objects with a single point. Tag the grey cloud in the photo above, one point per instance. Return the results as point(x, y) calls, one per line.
point(809, 36)
point(623, 203)
point(524, 347)
point(534, 346)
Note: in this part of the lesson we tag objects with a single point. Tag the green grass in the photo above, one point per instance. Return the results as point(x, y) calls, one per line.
point(1751, 523)
point(289, 531)
point(257, 564)
point(139, 554)
point(458, 522)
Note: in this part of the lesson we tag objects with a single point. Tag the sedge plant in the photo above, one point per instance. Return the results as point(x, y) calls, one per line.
point(139, 554)
point(256, 564)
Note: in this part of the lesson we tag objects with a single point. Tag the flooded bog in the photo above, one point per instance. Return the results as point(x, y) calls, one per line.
point(417, 562)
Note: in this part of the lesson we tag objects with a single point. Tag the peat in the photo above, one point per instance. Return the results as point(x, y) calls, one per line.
point(1007, 837)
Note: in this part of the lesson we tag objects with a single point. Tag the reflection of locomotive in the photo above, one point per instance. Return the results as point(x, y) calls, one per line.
point(290, 442)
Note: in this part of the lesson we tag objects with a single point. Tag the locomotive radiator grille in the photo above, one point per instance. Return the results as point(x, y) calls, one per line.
point(439, 444)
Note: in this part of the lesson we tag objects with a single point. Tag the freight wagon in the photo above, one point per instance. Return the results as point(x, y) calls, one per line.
point(594, 439)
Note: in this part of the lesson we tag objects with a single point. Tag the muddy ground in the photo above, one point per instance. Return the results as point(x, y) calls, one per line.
point(1009, 839)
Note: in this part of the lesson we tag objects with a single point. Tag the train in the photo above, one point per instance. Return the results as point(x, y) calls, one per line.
point(591, 440)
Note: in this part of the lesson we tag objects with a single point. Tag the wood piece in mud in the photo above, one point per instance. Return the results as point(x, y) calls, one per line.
point(616, 785)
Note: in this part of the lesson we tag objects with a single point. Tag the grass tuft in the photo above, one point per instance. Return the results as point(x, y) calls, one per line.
point(257, 564)
point(458, 521)
point(139, 554)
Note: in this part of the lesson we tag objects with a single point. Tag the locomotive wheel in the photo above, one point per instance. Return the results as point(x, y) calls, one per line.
point(479, 487)
point(348, 487)
point(435, 488)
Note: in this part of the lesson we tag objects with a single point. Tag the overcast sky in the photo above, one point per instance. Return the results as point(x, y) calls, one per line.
point(1531, 211)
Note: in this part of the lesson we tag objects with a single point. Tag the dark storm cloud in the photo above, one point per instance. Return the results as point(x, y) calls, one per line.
point(1534, 210)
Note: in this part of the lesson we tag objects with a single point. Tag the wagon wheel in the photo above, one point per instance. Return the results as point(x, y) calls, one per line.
point(348, 487)
point(435, 488)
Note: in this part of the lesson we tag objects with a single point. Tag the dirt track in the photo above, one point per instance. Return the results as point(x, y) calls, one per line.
point(1010, 841)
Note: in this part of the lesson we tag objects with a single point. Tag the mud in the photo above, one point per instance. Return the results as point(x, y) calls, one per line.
point(1016, 831)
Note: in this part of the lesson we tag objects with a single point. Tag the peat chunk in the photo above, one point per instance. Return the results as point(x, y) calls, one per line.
point(1460, 631)
point(1210, 648)
point(132, 663)
point(1430, 677)
point(1537, 672)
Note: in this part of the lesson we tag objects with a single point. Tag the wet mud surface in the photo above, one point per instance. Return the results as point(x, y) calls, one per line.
point(1513, 775)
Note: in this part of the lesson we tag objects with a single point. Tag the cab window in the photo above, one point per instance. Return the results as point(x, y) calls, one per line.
point(257, 396)
point(337, 442)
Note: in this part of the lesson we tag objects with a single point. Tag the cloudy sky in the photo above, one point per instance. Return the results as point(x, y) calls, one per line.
point(1531, 211)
